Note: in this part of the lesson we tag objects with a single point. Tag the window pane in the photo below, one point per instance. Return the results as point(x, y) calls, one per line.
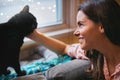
point(48, 12)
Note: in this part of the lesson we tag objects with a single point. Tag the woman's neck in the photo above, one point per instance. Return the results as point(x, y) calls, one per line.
point(112, 55)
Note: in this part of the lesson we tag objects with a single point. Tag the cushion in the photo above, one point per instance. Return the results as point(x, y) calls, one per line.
point(73, 70)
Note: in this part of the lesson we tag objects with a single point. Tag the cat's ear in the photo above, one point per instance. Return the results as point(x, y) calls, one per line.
point(25, 9)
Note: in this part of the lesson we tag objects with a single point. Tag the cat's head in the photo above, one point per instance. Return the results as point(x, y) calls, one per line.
point(24, 22)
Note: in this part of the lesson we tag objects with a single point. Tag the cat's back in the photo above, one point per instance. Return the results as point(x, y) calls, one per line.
point(10, 42)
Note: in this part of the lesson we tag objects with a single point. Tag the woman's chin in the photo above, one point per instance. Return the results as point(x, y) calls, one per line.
point(83, 46)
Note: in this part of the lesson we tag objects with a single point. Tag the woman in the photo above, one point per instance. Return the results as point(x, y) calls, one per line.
point(98, 32)
point(100, 19)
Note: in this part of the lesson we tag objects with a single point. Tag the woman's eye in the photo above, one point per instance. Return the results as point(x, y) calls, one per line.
point(80, 24)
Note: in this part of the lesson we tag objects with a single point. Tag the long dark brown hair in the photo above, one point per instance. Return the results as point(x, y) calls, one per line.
point(106, 12)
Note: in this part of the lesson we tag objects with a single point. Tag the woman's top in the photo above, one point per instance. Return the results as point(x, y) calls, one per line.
point(115, 75)
point(77, 52)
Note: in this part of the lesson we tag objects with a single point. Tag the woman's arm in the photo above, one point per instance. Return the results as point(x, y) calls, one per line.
point(51, 43)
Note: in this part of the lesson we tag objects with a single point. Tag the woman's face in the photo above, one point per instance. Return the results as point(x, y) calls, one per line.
point(87, 32)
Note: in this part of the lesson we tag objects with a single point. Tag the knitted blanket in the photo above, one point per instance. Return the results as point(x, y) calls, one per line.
point(38, 66)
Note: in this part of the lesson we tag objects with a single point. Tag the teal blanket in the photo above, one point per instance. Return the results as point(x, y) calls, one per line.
point(40, 66)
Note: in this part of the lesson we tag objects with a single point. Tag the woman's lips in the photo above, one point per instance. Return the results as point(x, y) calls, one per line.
point(81, 39)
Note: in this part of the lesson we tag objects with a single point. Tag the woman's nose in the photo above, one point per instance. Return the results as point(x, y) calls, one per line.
point(76, 33)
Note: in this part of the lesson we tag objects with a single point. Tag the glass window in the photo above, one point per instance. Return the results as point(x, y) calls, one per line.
point(48, 12)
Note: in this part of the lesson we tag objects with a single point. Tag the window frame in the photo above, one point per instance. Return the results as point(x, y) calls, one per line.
point(69, 11)
point(68, 25)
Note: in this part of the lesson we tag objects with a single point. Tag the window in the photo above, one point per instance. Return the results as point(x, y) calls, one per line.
point(63, 14)
point(48, 12)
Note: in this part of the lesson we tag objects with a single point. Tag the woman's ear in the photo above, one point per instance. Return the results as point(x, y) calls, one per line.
point(101, 29)
point(25, 9)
